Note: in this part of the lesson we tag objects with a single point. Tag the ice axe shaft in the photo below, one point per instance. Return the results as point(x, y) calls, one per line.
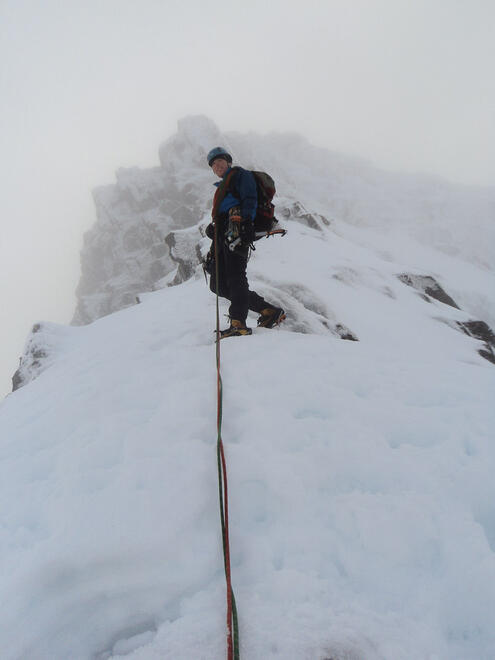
point(258, 235)
point(261, 234)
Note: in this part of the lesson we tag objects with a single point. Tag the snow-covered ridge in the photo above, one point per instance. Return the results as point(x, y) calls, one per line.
point(359, 442)
point(125, 253)
point(357, 258)
point(360, 472)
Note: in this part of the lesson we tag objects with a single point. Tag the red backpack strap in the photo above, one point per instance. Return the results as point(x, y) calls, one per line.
point(221, 191)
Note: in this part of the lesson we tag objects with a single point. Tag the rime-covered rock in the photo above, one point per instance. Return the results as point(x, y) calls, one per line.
point(428, 288)
point(44, 343)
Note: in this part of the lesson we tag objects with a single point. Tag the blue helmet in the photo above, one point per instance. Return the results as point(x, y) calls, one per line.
point(218, 152)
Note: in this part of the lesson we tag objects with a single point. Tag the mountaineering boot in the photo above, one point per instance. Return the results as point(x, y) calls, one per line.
point(236, 329)
point(270, 317)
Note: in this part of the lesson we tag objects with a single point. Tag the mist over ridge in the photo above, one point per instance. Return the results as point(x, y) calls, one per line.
point(131, 247)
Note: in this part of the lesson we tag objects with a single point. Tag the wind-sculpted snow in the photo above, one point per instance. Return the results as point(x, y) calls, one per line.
point(360, 472)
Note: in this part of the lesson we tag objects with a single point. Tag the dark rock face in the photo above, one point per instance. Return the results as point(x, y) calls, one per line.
point(482, 331)
point(428, 286)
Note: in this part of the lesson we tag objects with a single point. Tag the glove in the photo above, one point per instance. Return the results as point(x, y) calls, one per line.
point(247, 232)
point(210, 231)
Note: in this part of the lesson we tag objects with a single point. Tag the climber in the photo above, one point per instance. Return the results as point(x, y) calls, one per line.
point(233, 213)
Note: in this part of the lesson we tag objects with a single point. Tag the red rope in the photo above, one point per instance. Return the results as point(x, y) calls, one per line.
point(230, 645)
point(232, 628)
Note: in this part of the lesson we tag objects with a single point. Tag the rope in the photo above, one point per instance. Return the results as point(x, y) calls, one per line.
point(232, 624)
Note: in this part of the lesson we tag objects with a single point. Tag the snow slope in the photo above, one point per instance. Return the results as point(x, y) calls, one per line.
point(360, 472)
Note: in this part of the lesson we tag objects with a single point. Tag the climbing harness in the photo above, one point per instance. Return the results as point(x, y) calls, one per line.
point(232, 623)
point(207, 263)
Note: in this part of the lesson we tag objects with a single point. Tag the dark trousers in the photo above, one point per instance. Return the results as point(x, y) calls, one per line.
point(233, 284)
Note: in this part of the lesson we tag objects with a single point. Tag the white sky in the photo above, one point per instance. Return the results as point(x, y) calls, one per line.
point(88, 86)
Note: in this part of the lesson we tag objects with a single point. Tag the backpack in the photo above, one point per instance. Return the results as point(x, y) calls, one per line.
point(265, 219)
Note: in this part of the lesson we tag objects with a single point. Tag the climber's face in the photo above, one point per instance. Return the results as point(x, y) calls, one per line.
point(219, 167)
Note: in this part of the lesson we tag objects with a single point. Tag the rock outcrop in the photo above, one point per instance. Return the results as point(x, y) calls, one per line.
point(43, 344)
point(428, 288)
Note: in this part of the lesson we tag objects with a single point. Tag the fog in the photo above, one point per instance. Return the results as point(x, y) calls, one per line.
point(91, 86)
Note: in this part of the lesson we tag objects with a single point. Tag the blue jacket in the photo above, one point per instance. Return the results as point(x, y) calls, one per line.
point(242, 192)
